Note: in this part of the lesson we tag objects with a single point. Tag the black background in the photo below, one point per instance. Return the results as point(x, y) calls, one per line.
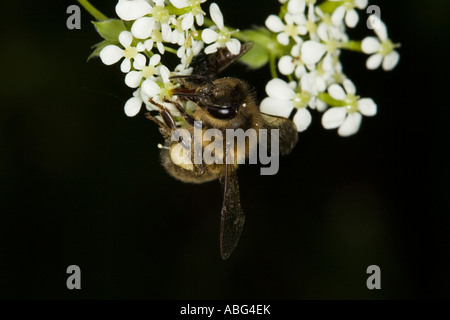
point(80, 183)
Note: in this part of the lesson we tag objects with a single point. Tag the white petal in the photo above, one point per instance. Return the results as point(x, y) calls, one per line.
point(278, 89)
point(209, 36)
point(132, 106)
point(367, 107)
point(274, 23)
point(374, 61)
point(334, 117)
point(139, 61)
point(336, 92)
point(179, 3)
point(307, 82)
point(188, 21)
point(286, 65)
point(327, 63)
point(275, 107)
point(166, 31)
point(142, 28)
point(312, 52)
point(321, 84)
point(140, 47)
point(338, 15)
point(234, 46)
point(125, 66)
point(351, 125)
point(351, 18)
point(200, 19)
point(378, 26)
point(131, 10)
point(296, 6)
point(322, 31)
point(165, 73)
point(320, 105)
point(155, 59)
point(148, 44)
point(211, 48)
point(111, 54)
point(125, 38)
point(370, 45)
point(177, 37)
point(150, 88)
point(283, 38)
point(302, 119)
point(349, 86)
point(361, 4)
point(133, 79)
point(295, 51)
point(216, 15)
point(160, 47)
point(391, 60)
point(300, 71)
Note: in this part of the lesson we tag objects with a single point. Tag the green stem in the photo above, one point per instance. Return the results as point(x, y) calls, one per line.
point(92, 10)
point(351, 45)
point(290, 77)
point(329, 7)
point(329, 100)
point(208, 22)
point(171, 50)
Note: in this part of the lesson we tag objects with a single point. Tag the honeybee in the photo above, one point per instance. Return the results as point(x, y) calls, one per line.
point(220, 104)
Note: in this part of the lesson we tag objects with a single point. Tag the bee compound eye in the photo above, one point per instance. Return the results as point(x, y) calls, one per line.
point(222, 113)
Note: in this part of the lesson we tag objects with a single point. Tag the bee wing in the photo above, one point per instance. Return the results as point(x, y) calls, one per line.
point(232, 216)
point(210, 65)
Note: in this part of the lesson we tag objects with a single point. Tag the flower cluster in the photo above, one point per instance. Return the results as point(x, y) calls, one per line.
point(311, 38)
point(150, 30)
point(302, 44)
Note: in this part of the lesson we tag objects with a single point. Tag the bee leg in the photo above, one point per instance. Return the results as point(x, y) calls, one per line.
point(169, 127)
point(189, 120)
point(180, 109)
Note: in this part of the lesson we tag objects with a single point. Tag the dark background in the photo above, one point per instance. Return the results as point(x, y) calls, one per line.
point(80, 183)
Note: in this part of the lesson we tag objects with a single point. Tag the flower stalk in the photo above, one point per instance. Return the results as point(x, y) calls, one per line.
point(92, 10)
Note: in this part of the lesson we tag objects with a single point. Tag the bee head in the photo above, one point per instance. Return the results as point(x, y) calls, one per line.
point(222, 98)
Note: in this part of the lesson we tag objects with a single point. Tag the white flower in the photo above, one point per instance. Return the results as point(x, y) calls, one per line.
point(285, 31)
point(143, 27)
point(158, 37)
point(282, 100)
point(293, 63)
point(133, 78)
point(313, 51)
point(347, 10)
point(132, 9)
point(133, 105)
point(347, 118)
point(188, 50)
point(296, 6)
point(112, 53)
point(195, 11)
point(156, 89)
point(222, 38)
point(382, 49)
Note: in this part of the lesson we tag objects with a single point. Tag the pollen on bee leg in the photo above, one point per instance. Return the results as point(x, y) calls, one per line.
point(181, 157)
